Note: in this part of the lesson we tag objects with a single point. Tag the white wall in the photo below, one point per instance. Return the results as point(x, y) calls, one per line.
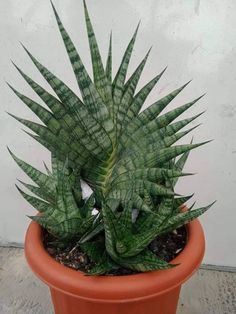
point(195, 39)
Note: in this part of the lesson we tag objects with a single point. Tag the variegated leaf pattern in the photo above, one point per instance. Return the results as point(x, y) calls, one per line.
point(58, 199)
point(129, 157)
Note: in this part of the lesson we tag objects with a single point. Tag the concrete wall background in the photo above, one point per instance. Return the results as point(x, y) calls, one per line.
point(196, 39)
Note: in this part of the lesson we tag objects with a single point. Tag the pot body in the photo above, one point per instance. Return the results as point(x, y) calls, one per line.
point(162, 304)
point(154, 292)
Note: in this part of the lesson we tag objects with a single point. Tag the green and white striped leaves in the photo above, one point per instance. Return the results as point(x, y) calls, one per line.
point(127, 156)
point(59, 196)
point(43, 181)
point(179, 219)
point(125, 239)
point(121, 242)
point(104, 135)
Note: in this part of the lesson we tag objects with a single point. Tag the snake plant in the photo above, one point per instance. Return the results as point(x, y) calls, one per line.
point(128, 157)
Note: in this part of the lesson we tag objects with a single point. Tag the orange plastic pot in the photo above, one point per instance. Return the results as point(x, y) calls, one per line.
point(147, 293)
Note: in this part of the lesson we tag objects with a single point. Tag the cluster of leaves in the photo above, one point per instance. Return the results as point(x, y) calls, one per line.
point(127, 157)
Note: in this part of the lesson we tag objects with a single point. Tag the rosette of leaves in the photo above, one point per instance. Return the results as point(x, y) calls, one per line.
point(58, 199)
point(127, 156)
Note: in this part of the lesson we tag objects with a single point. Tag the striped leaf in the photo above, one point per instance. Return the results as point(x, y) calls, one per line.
point(150, 174)
point(100, 78)
point(139, 187)
point(180, 219)
point(67, 96)
point(179, 201)
point(127, 156)
point(69, 121)
point(154, 159)
point(144, 262)
point(41, 206)
point(179, 164)
point(35, 175)
point(141, 96)
point(89, 93)
point(128, 94)
point(134, 133)
point(119, 80)
point(155, 109)
point(109, 62)
point(41, 192)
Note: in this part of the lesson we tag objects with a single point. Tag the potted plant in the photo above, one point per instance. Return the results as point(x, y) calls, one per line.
point(129, 246)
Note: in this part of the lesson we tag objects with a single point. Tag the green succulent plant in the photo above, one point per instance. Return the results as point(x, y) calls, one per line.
point(59, 199)
point(127, 157)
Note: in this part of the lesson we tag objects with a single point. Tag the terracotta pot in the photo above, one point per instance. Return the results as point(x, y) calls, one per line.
point(154, 292)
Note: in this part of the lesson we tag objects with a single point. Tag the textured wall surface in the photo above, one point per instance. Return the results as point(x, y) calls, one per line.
point(196, 39)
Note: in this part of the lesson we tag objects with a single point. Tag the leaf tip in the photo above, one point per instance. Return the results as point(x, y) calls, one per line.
point(10, 114)
point(84, 3)
point(188, 174)
point(212, 203)
point(18, 188)
point(137, 28)
point(27, 51)
point(54, 10)
point(22, 45)
point(163, 71)
point(10, 152)
point(9, 85)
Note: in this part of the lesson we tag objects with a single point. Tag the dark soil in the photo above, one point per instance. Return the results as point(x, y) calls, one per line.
point(169, 245)
point(166, 247)
point(67, 256)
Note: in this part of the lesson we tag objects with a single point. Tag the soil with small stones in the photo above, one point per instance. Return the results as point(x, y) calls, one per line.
point(165, 247)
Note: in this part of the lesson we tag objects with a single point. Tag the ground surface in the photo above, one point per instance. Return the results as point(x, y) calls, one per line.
point(208, 292)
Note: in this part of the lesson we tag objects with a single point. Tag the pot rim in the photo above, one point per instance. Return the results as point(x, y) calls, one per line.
point(111, 289)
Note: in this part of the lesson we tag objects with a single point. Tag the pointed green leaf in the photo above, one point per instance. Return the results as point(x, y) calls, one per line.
point(119, 81)
point(143, 262)
point(133, 134)
point(180, 219)
point(155, 109)
point(37, 176)
point(150, 174)
point(180, 164)
point(109, 62)
point(179, 201)
point(89, 93)
point(155, 159)
point(43, 114)
point(38, 204)
point(40, 192)
point(141, 96)
point(128, 94)
point(139, 186)
point(100, 79)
